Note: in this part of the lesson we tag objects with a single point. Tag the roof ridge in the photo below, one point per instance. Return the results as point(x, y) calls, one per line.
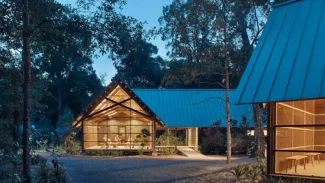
point(285, 3)
point(182, 89)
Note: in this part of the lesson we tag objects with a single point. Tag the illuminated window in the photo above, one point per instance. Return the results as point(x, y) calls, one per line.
point(124, 126)
point(300, 138)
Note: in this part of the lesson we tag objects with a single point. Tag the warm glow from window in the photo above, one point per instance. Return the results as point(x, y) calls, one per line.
point(300, 138)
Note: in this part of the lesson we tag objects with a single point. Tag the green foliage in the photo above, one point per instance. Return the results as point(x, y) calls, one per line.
point(253, 173)
point(169, 138)
point(194, 33)
point(37, 159)
point(167, 150)
point(238, 171)
point(98, 152)
point(46, 173)
point(139, 68)
point(143, 137)
point(66, 118)
point(72, 143)
point(140, 151)
point(214, 140)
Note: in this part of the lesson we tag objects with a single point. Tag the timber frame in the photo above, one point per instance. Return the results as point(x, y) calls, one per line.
point(103, 95)
point(88, 115)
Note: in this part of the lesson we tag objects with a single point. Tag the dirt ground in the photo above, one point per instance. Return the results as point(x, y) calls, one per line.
point(85, 169)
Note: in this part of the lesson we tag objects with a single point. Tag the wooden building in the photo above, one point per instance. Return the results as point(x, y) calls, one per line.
point(127, 119)
point(287, 72)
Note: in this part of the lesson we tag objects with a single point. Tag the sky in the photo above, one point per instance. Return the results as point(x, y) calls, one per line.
point(143, 10)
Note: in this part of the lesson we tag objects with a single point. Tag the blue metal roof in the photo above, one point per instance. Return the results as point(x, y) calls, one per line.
point(288, 63)
point(192, 107)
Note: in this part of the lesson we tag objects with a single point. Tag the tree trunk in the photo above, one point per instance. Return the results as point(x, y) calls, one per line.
point(27, 91)
point(59, 112)
point(227, 85)
point(259, 146)
point(16, 122)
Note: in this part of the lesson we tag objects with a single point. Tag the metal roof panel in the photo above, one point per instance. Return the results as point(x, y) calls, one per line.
point(288, 62)
point(192, 107)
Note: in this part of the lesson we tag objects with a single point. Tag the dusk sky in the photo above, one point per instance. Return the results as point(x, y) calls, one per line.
point(143, 10)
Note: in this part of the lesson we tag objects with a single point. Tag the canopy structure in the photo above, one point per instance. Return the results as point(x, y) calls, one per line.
point(193, 107)
point(289, 61)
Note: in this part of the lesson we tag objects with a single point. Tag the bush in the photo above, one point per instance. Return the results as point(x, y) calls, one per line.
point(214, 140)
point(168, 151)
point(46, 173)
point(72, 143)
point(37, 159)
point(99, 152)
point(169, 138)
point(238, 172)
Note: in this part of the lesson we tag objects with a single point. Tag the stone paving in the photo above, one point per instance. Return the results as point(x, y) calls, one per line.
point(84, 169)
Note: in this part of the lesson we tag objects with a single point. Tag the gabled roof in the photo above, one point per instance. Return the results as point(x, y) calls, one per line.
point(289, 61)
point(192, 107)
point(89, 111)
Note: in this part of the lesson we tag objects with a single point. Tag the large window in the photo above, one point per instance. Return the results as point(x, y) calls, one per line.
point(299, 131)
point(124, 126)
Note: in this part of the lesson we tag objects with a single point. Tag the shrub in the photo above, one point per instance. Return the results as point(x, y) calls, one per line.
point(46, 173)
point(169, 138)
point(37, 159)
point(99, 152)
point(214, 140)
point(72, 143)
point(238, 171)
point(253, 173)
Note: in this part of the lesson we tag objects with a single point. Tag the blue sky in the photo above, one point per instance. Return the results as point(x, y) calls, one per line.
point(143, 10)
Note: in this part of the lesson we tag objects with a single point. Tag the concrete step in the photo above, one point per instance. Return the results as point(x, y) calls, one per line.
point(190, 153)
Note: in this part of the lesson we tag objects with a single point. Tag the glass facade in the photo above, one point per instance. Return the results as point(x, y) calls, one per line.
point(118, 123)
point(299, 138)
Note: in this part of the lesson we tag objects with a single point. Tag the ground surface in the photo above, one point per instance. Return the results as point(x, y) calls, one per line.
point(148, 169)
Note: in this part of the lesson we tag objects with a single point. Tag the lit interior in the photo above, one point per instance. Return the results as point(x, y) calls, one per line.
point(122, 127)
point(300, 138)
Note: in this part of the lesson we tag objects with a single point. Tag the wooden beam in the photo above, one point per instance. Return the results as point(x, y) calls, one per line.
point(116, 104)
point(128, 108)
point(107, 108)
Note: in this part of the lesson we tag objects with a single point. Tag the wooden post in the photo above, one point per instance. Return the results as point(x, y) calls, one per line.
point(186, 136)
point(154, 152)
point(82, 136)
point(197, 139)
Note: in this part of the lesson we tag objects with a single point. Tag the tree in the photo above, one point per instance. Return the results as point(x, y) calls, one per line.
point(27, 87)
point(225, 40)
point(42, 22)
point(138, 67)
point(195, 31)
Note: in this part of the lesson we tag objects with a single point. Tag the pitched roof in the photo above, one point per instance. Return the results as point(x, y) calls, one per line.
point(288, 63)
point(102, 97)
point(192, 107)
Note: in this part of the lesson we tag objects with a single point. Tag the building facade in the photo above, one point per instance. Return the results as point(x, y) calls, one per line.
point(287, 72)
point(127, 119)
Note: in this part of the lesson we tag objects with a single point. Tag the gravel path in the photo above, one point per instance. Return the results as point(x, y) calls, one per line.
point(142, 169)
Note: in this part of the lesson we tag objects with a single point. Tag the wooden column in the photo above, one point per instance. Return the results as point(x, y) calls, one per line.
point(197, 139)
point(186, 136)
point(154, 152)
point(82, 136)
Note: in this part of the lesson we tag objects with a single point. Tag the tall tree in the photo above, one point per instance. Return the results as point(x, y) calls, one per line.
point(225, 42)
point(138, 67)
point(26, 23)
point(27, 87)
point(194, 28)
